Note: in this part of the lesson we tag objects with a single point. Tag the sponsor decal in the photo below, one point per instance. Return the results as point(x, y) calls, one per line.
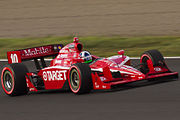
point(64, 51)
point(36, 51)
point(64, 55)
point(102, 78)
point(71, 46)
point(31, 89)
point(96, 85)
point(58, 61)
point(59, 48)
point(54, 75)
point(157, 69)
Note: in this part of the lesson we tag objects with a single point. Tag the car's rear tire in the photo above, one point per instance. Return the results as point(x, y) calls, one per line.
point(13, 79)
point(153, 55)
point(80, 80)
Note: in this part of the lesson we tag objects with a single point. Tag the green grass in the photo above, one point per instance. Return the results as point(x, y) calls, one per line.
point(100, 46)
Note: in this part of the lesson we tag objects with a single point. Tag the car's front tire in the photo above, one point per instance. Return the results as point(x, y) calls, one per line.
point(154, 56)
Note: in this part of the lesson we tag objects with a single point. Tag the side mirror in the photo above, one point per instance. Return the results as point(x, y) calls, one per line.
point(121, 52)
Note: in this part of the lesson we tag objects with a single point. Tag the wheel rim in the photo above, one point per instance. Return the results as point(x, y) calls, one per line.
point(8, 81)
point(75, 79)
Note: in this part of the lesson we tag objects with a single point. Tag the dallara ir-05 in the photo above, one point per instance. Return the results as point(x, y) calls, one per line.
point(80, 71)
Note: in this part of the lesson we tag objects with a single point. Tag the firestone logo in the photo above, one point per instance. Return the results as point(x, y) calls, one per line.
point(157, 69)
point(54, 75)
point(36, 51)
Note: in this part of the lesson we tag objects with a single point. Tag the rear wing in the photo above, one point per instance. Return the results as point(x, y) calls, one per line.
point(34, 53)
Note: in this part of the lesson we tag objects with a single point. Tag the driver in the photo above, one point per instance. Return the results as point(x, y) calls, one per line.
point(86, 56)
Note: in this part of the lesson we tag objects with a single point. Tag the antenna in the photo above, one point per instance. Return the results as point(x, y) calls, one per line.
point(75, 34)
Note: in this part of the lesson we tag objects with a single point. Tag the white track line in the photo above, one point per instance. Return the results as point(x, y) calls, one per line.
point(3, 60)
point(178, 57)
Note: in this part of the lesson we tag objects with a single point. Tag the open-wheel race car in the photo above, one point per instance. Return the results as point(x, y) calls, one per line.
point(77, 69)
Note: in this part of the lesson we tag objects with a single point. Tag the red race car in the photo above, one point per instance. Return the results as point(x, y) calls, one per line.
point(78, 69)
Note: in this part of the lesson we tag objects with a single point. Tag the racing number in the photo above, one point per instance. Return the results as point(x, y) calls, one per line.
point(14, 58)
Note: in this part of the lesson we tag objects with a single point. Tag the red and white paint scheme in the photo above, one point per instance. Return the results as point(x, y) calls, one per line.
point(104, 72)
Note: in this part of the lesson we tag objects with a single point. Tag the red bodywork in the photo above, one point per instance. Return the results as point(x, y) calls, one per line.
point(106, 72)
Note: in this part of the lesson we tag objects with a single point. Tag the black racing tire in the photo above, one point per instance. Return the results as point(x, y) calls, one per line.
point(80, 79)
point(155, 56)
point(13, 79)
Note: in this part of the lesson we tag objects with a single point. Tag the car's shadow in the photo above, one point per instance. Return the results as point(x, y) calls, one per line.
point(137, 84)
point(116, 88)
point(61, 91)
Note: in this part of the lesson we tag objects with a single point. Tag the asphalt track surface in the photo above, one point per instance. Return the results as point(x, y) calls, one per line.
point(136, 101)
point(36, 18)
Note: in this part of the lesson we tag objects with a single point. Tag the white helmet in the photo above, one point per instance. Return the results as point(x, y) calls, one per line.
point(86, 56)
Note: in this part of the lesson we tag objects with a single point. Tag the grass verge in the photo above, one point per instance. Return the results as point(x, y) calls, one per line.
point(100, 45)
